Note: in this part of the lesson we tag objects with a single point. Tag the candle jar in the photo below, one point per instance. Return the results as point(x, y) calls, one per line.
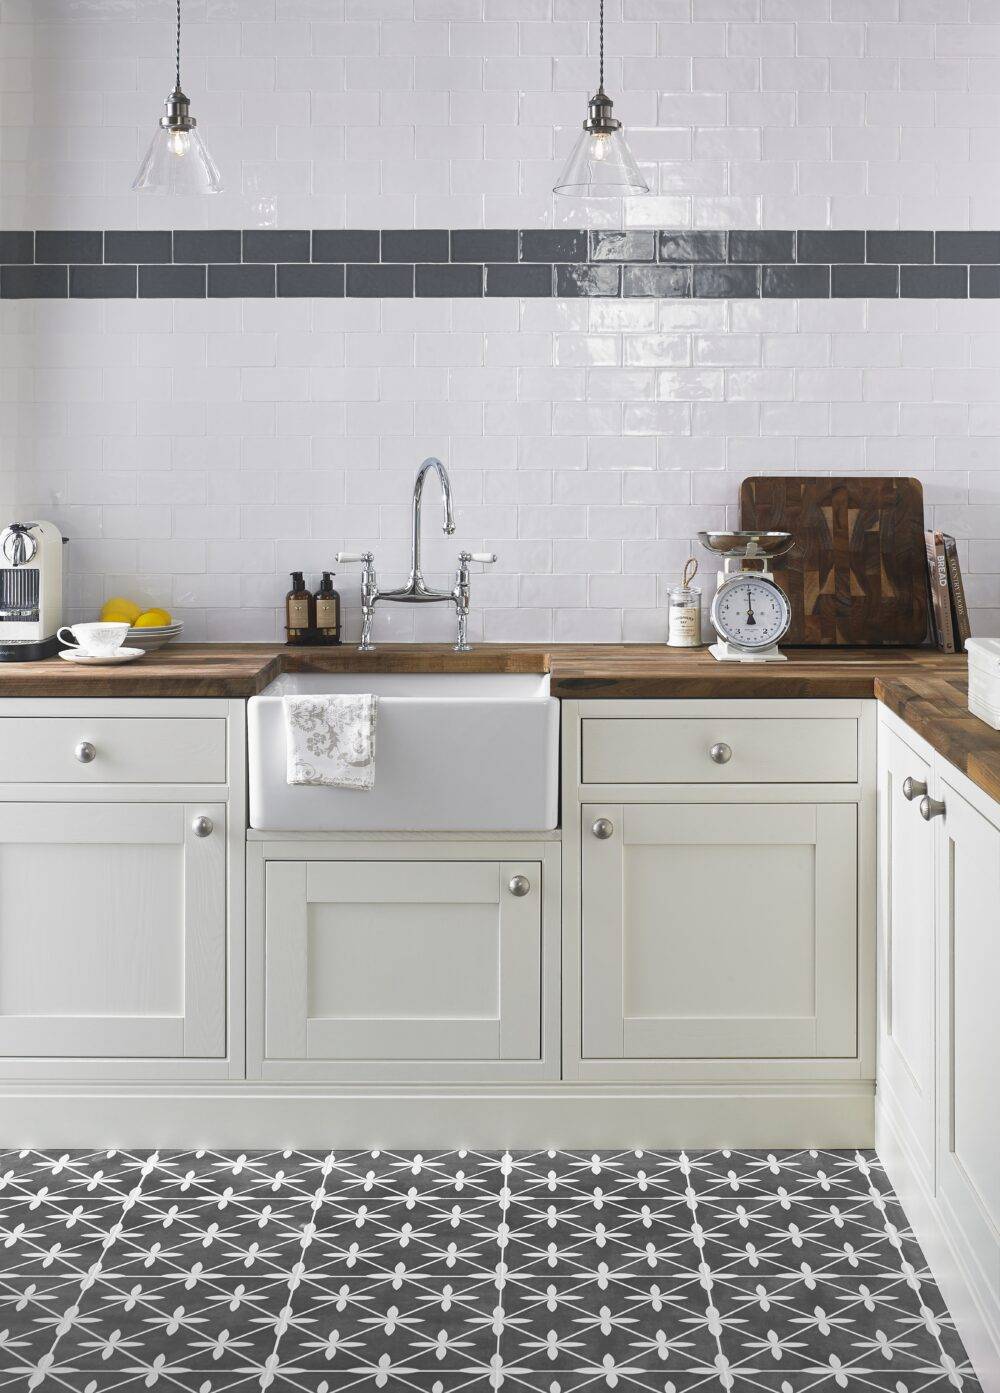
point(684, 616)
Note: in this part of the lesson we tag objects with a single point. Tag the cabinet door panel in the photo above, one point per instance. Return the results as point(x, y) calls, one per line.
point(969, 1053)
point(112, 930)
point(402, 960)
point(720, 930)
point(906, 1053)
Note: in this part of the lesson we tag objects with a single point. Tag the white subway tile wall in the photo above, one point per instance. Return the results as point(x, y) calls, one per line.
point(198, 450)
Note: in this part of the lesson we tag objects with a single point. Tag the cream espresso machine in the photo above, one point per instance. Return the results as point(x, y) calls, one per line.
point(31, 591)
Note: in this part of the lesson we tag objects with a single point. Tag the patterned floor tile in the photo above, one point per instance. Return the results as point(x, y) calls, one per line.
point(461, 1272)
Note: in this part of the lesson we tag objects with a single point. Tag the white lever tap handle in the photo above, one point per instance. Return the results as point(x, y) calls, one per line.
point(486, 557)
point(344, 556)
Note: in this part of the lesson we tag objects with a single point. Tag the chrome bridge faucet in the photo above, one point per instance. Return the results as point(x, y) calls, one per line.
point(416, 590)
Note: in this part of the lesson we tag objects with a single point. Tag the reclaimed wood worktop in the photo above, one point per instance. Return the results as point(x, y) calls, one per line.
point(926, 689)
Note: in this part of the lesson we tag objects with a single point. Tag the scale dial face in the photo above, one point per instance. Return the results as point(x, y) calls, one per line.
point(751, 611)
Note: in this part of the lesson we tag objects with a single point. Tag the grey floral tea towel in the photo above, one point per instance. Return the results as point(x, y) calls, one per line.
point(331, 739)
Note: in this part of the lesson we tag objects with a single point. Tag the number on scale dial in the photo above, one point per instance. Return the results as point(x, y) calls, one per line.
point(751, 613)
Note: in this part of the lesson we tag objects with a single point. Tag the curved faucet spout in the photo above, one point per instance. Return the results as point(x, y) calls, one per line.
point(448, 524)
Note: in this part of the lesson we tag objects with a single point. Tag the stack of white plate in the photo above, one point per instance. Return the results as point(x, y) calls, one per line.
point(150, 639)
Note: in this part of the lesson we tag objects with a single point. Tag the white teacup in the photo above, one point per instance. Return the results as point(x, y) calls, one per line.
point(96, 640)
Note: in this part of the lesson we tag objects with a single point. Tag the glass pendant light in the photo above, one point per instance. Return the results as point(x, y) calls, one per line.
point(600, 163)
point(177, 160)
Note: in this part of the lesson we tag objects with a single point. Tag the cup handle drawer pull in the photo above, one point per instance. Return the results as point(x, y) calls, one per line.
point(720, 753)
point(931, 807)
point(85, 752)
point(203, 826)
point(603, 828)
point(913, 788)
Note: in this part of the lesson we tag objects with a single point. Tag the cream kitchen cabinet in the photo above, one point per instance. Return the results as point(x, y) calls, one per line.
point(939, 1028)
point(113, 929)
point(907, 947)
point(121, 889)
point(717, 930)
point(408, 961)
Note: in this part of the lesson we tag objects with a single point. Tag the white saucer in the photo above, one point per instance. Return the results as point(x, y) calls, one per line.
point(121, 655)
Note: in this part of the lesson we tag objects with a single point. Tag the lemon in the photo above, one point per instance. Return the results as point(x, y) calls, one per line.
point(152, 619)
point(118, 610)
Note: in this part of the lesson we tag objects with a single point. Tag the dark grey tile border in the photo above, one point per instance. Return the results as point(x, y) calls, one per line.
point(484, 245)
point(17, 247)
point(225, 245)
point(693, 246)
point(865, 282)
point(529, 281)
point(461, 282)
point(172, 282)
point(103, 282)
point(418, 245)
point(547, 244)
point(761, 246)
point(34, 282)
point(270, 244)
point(64, 247)
point(326, 280)
point(341, 244)
point(830, 246)
point(252, 282)
point(899, 247)
point(934, 282)
point(473, 262)
point(132, 248)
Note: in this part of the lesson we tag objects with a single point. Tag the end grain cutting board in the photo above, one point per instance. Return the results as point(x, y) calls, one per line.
point(857, 574)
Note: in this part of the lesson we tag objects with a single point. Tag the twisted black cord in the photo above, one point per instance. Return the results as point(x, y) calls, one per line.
point(601, 84)
point(179, 41)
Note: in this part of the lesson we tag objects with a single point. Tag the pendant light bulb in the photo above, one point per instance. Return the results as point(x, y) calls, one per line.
point(177, 161)
point(600, 163)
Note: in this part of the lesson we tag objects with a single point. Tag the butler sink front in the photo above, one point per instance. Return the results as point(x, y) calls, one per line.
point(454, 752)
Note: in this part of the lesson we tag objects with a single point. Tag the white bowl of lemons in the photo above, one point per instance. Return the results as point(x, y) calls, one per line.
point(149, 628)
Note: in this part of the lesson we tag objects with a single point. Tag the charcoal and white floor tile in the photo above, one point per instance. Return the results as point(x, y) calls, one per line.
point(541, 1272)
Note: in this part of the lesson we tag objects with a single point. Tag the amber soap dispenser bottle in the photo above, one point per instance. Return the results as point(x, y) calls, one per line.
point(300, 611)
point(327, 611)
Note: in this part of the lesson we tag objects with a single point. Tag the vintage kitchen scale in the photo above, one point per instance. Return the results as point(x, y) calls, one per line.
point(750, 613)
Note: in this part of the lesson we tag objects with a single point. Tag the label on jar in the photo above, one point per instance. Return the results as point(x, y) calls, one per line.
point(684, 626)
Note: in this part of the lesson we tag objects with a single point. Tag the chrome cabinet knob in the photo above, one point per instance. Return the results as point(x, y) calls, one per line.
point(603, 828)
point(720, 753)
point(85, 752)
point(519, 885)
point(913, 788)
point(931, 807)
point(203, 826)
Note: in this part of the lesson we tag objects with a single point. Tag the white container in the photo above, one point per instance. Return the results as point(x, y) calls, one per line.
point(984, 679)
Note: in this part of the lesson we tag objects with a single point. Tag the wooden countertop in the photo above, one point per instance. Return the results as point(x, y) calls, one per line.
point(924, 688)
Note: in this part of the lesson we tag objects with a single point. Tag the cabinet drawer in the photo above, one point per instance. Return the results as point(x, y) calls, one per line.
point(97, 750)
point(719, 750)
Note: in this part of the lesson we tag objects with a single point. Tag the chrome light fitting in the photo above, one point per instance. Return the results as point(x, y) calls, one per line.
point(600, 164)
point(177, 161)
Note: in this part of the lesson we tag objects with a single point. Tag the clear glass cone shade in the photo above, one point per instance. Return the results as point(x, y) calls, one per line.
point(177, 162)
point(601, 163)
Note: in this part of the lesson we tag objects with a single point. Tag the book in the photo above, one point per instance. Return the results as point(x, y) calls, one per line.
point(937, 576)
point(956, 587)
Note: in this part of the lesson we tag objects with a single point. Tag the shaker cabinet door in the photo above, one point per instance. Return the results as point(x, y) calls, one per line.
point(112, 930)
point(906, 947)
point(719, 930)
point(969, 1037)
point(402, 960)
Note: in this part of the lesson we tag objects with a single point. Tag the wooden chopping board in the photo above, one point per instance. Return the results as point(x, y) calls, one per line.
point(857, 574)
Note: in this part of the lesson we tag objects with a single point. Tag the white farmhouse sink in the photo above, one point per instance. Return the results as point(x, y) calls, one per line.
point(454, 752)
